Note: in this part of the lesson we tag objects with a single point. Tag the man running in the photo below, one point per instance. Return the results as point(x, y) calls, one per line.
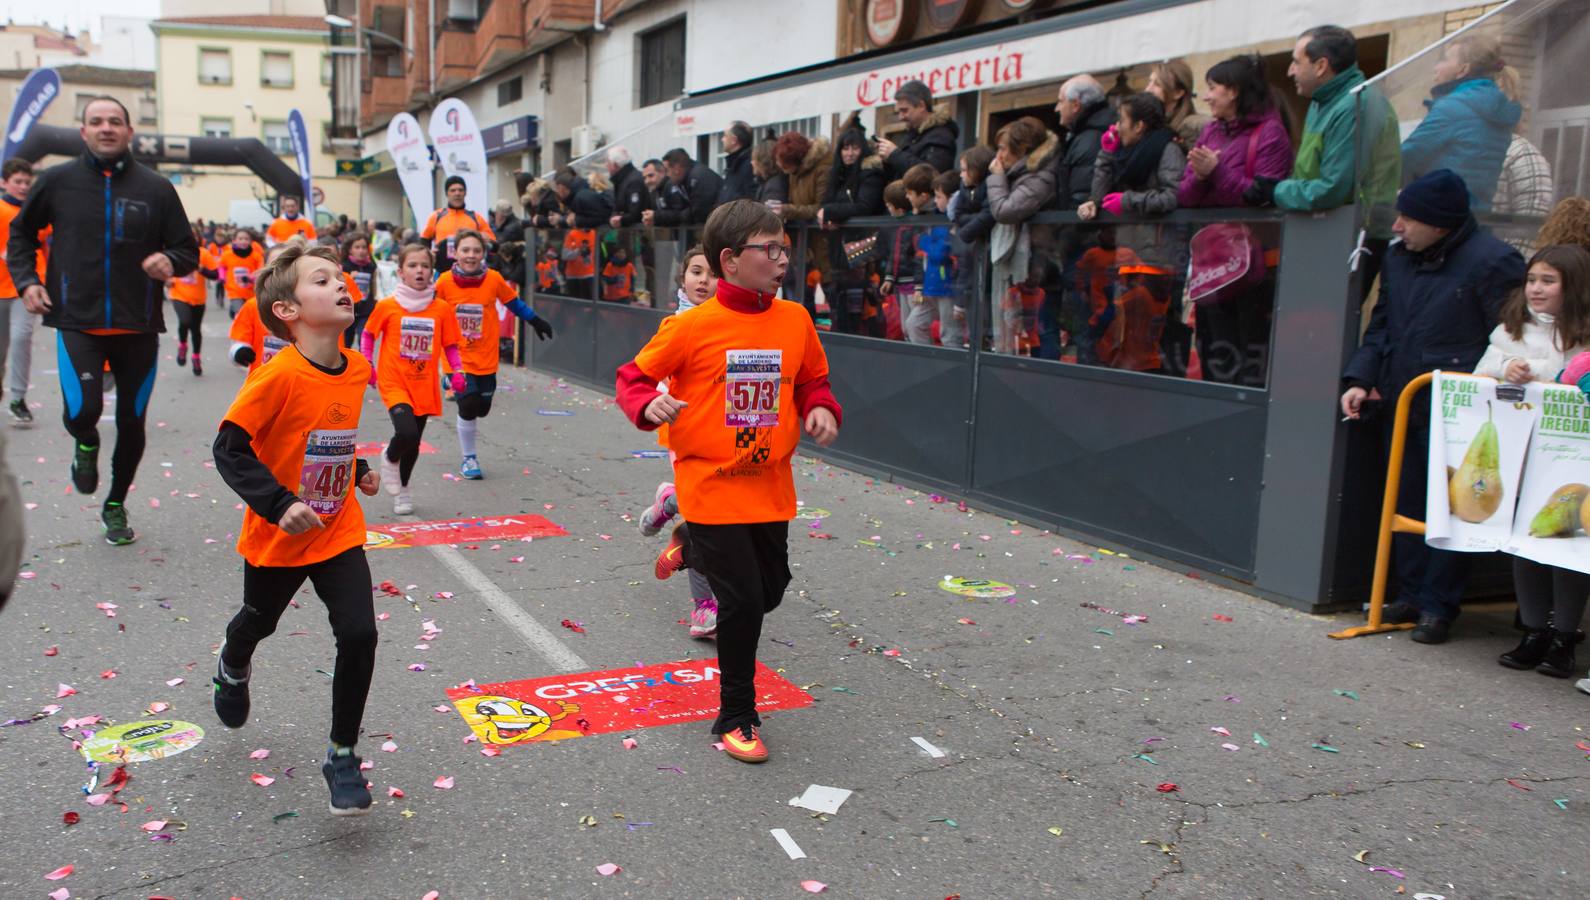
point(444, 224)
point(120, 233)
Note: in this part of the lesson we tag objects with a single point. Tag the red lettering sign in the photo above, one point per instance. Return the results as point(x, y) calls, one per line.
point(396, 535)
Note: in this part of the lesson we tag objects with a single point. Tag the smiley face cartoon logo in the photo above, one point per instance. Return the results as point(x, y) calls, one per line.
point(504, 720)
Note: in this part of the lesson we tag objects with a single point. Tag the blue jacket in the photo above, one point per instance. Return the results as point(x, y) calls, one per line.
point(1436, 310)
point(938, 264)
point(1467, 129)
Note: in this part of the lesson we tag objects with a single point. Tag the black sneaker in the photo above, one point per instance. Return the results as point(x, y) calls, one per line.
point(1431, 630)
point(85, 469)
point(117, 532)
point(21, 416)
point(231, 700)
point(350, 795)
point(1399, 613)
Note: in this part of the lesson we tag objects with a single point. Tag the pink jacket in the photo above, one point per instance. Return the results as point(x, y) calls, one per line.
point(1271, 151)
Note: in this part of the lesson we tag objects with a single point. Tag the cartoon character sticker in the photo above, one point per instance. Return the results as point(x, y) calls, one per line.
point(506, 720)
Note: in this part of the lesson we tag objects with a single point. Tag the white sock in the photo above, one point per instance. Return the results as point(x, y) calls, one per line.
point(466, 436)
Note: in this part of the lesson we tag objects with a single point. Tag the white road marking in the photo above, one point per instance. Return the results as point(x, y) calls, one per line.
point(534, 633)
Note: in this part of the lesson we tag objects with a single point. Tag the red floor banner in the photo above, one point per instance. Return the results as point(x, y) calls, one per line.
point(559, 707)
point(374, 448)
point(396, 535)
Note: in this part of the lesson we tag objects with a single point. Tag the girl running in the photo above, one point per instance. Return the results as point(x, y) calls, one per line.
point(473, 291)
point(239, 261)
point(358, 265)
point(188, 297)
point(415, 331)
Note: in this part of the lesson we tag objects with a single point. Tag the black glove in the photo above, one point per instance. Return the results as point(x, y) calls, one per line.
point(1261, 192)
point(542, 329)
point(243, 356)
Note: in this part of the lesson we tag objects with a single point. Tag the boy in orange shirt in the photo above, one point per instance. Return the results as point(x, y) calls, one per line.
point(415, 331)
point(745, 371)
point(239, 261)
point(253, 345)
point(188, 299)
point(473, 291)
point(618, 277)
point(286, 447)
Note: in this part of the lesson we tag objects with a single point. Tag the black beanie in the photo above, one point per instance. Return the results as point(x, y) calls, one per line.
point(1438, 198)
point(452, 180)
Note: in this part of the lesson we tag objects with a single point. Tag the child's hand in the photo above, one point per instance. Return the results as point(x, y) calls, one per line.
point(821, 426)
point(370, 483)
point(664, 408)
point(299, 518)
point(1517, 372)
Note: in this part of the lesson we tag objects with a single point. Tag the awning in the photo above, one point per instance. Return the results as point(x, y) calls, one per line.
point(1111, 36)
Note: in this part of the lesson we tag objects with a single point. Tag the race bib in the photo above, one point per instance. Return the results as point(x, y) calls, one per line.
point(415, 338)
point(239, 274)
point(751, 388)
point(362, 279)
point(470, 318)
point(273, 346)
point(328, 470)
point(452, 247)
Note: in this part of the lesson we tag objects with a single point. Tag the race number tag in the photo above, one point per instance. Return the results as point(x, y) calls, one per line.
point(240, 276)
point(328, 470)
point(273, 346)
point(471, 316)
point(362, 279)
point(416, 335)
point(751, 388)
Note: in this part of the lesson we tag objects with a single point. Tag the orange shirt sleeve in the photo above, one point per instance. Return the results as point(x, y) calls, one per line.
point(309, 230)
point(429, 231)
point(353, 288)
point(447, 326)
point(257, 403)
point(505, 288)
point(814, 362)
point(484, 227)
point(665, 352)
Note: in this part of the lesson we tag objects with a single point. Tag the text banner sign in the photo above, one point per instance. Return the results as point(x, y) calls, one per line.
point(461, 149)
point(406, 142)
point(397, 535)
point(37, 92)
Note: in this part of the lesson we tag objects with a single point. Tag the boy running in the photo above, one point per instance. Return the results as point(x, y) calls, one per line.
point(16, 322)
point(286, 447)
point(188, 299)
point(473, 291)
point(745, 371)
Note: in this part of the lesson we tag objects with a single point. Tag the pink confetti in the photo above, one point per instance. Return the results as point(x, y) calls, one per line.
point(365, 765)
point(891, 653)
point(27, 576)
point(395, 792)
point(261, 753)
point(431, 895)
point(442, 708)
point(608, 869)
point(64, 690)
point(60, 894)
point(174, 682)
point(445, 595)
point(389, 747)
point(98, 800)
point(30, 506)
point(154, 825)
point(108, 674)
point(82, 722)
point(1521, 726)
point(158, 707)
point(60, 873)
point(1232, 747)
point(262, 780)
point(51, 651)
point(1394, 873)
point(813, 887)
point(470, 738)
point(516, 559)
point(417, 667)
point(382, 617)
point(1221, 730)
point(155, 502)
point(491, 751)
point(630, 743)
point(444, 783)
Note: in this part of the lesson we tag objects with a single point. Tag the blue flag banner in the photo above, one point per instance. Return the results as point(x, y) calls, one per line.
point(300, 138)
point(41, 87)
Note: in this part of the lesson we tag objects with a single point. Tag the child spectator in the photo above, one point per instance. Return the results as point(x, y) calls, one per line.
point(899, 268)
point(618, 277)
point(937, 301)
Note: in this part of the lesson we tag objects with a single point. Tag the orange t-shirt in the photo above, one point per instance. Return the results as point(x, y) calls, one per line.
point(580, 266)
point(283, 229)
point(8, 211)
point(411, 344)
point(305, 425)
point(234, 266)
point(622, 285)
point(445, 222)
point(547, 272)
point(737, 372)
point(476, 311)
point(190, 288)
point(353, 287)
point(249, 329)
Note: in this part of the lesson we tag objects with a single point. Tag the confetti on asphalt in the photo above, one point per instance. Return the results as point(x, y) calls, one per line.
point(928, 748)
point(444, 783)
point(608, 869)
point(792, 849)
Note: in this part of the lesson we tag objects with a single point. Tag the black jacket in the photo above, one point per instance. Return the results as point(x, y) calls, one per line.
point(739, 182)
point(630, 196)
point(775, 188)
point(536, 214)
point(691, 202)
point(933, 143)
point(973, 219)
point(107, 218)
point(854, 190)
point(510, 230)
point(588, 207)
point(1075, 175)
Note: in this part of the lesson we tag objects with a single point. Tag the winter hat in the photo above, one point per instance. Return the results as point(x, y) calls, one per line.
point(1438, 198)
point(452, 180)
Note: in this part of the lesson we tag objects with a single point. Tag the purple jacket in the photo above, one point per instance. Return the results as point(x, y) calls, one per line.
point(1272, 158)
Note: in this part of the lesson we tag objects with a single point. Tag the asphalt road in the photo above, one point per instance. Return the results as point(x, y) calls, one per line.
point(1062, 727)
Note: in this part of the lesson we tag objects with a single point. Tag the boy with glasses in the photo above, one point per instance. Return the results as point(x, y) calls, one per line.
point(745, 373)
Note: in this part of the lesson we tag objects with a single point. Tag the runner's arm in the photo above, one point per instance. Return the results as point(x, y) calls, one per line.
point(249, 478)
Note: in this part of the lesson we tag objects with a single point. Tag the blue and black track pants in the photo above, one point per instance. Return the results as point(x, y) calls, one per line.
point(132, 363)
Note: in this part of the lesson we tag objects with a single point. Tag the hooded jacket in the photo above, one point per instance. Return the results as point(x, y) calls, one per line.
point(1271, 147)
point(973, 221)
point(934, 143)
point(630, 196)
point(739, 182)
point(588, 207)
point(1028, 187)
point(852, 191)
point(1075, 175)
point(1467, 129)
point(1342, 127)
point(808, 184)
point(691, 202)
point(108, 216)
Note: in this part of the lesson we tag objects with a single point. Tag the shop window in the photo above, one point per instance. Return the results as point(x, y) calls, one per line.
point(215, 127)
point(277, 138)
point(510, 91)
point(276, 69)
point(662, 63)
point(215, 66)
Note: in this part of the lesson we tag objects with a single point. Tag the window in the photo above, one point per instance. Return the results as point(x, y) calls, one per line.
point(662, 63)
point(325, 68)
point(82, 104)
point(277, 138)
point(216, 128)
point(463, 10)
point(510, 91)
point(215, 66)
point(147, 110)
point(276, 69)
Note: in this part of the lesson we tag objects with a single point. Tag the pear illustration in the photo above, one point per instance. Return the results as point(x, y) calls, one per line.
point(1475, 490)
point(1561, 514)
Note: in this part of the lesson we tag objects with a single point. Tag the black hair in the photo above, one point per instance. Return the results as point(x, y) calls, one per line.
point(126, 117)
point(568, 178)
point(1145, 109)
point(652, 162)
point(915, 92)
point(14, 165)
point(677, 157)
point(742, 133)
point(1334, 44)
point(1245, 75)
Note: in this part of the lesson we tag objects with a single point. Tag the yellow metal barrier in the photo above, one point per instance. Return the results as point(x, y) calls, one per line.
point(1390, 522)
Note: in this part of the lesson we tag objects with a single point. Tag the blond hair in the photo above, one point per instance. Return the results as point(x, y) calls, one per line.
point(277, 281)
point(1482, 53)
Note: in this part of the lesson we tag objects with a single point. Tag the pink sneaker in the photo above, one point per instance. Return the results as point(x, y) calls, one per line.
point(704, 619)
point(660, 511)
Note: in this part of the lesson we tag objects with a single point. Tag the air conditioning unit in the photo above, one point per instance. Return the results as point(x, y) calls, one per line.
point(585, 139)
point(463, 10)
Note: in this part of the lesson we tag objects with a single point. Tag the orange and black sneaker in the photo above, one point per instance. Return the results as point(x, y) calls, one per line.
point(672, 558)
point(744, 744)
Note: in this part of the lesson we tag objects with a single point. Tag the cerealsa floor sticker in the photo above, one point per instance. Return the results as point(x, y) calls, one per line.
point(396, 535)
point(559, 707)
point(142, 741)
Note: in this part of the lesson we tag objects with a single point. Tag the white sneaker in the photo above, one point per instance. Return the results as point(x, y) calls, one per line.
point(389, 474)
point(403, 503)
point(1584, 684)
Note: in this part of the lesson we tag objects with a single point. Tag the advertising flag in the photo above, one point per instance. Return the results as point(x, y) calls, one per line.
point(300, 136)
point(460, 149)
point(406, 142)
point(41, 87)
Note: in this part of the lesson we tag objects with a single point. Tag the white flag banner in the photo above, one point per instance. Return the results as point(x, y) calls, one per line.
point(461, 150)
point(1553, 518)
point(1479, 430)
point(406, 142)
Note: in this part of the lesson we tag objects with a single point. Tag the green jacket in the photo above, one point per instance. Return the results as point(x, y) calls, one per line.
point(1323, 175)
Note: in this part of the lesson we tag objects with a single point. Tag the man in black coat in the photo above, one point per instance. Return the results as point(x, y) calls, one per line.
point(739, 181)
point(1085, 112)
point(691, 193)
point(120, 233)
point(930, 136)
point(630, 196)
point(1441, 294)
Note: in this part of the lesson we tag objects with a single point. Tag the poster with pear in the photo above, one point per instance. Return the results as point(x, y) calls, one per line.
point(1479, 431)
point(1552, 518)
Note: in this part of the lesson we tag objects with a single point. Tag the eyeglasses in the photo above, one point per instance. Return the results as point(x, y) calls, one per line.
point(773, 249)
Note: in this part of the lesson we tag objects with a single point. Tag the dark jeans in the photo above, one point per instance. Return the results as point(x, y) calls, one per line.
point(1549, 595)
point(132, 357)
point(190, 319)
point(748, 568)
point(1430, 579)
point(343, 583)
point(1234, 336)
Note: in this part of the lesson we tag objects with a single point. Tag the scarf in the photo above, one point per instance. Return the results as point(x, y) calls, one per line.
point(411, 300)
point(466, 279)
point(1142, 159)
point(685, 303)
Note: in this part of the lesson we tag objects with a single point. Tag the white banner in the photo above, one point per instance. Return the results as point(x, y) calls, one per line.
point(460, 149)
point(1553, 518)
point(406, 142)
point(1477, 444)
